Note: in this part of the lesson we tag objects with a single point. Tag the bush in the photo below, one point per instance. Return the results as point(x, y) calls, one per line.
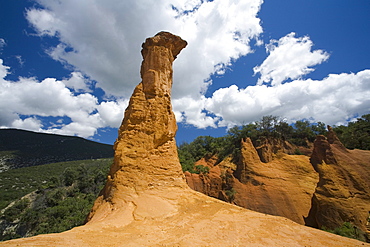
point(347, 230)
point(230, 194)
point(201, 169)
point(13, 213)
point(69, 176)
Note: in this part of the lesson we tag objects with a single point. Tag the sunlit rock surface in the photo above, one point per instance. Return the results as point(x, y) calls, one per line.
point(146, 201)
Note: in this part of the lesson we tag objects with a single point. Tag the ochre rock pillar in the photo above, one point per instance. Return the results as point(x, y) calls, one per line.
point(145, 151)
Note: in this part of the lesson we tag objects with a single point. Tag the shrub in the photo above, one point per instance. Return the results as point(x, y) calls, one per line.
point(347, 230)
point(69, 176)
point(13, 213)
point(201, 169)
point(230, 194)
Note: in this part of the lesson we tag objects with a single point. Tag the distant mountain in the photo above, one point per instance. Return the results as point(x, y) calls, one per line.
point(21, 148)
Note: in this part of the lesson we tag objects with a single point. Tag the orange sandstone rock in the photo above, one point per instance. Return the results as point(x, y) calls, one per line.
point(146, 201)
point(145, 151)
point(343, 190)
point(283, 186)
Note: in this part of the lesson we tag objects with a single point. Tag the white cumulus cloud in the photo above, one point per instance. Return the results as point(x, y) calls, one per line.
point(333, 100)
point(24, 102)
point(103, 38)
point(289, 58)
point(101, 42)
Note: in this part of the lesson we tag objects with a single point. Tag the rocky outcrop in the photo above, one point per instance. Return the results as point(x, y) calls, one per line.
point(322, 152)
point(324, 190)
point(343, 191)
point(283, 186)
point(146, 201)
point(145, 151)
point(268, 148)
point(333, 138)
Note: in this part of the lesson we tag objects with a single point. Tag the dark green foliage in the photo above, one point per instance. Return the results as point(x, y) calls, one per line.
point(356, 134)
point(69, 176)
point(65, 193)
point(299, 133)
point(16, 183)
point(348, 230)
point(267, 126)
point(304, 131)
point(13, 212)
point(297, 152)
point(66, 213)
point(202, 146)
point(230, 194)
point(200, 169)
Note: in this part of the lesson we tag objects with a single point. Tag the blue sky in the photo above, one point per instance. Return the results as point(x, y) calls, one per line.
point(69, 67)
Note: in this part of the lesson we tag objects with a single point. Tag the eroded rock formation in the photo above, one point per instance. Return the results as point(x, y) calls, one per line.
point(146, 201)
point(343, 190)
point(267, 148)
point(330, 187)
point(145, 151)
point(283, 185)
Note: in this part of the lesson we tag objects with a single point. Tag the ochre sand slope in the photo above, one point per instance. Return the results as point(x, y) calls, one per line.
point(182, 217)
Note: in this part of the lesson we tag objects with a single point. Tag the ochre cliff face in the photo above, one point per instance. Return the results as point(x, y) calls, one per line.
point(145, 150)
point(267, 148)
point(283, 186)
point(343, 190)
point(327, 189)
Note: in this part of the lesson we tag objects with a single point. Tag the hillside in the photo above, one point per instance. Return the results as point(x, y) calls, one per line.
point(21, 148)
point(49, 198)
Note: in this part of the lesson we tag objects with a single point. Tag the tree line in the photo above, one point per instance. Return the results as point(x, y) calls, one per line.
point(300, 133)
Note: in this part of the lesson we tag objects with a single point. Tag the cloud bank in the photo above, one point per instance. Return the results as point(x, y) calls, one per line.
point(103, 39)
point(24, 102)
point(333, 100)
point(100, 42)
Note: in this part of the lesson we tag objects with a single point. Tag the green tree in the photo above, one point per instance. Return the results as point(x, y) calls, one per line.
point(356, 134)
point(201, 169)
point(69, 176)
point(202, 146)
point(267, 125)
point(319, 128)
point(284, 130)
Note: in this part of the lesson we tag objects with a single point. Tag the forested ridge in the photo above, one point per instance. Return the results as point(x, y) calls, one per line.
point(300, 133)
